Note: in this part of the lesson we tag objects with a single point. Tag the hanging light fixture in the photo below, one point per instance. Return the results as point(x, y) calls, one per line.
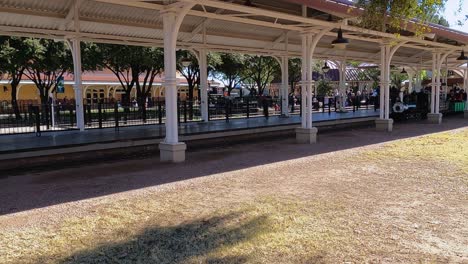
point(186, 62)
point(340, 42)
point(462, 56)
point(403, 71)
point(325, 68)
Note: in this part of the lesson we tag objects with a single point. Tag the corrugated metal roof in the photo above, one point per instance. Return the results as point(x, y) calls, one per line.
point(120, 23)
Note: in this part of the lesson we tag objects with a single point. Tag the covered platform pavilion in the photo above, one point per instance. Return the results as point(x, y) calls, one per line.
point(281, 29)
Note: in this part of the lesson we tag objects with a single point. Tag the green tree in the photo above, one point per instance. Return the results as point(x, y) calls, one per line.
point(389, 14)
point(15, 54)
point(295, 72)
point(439, 20)
point(191, 73)
point(323, 87)
point(144, 70)
point(134, 66)
point(229, 69)
point(260, 71)
point(50, 61)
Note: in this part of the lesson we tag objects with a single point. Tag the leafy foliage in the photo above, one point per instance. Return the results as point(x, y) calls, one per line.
point(323, 87)
point(389, 14)
point(15, 54)
point(50, 60)
point(260, 71)
point(229, 68)
point(129, 64)
point(294, 70)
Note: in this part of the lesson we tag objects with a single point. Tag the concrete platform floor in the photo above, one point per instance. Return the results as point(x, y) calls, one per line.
point(61, 139)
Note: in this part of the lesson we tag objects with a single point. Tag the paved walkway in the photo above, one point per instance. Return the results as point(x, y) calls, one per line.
point(14, 143)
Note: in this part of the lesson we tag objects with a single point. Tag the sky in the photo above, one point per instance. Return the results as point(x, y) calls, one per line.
point(451, 8)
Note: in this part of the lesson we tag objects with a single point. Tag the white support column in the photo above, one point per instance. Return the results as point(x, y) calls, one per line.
point(433, 83)
point(342, 85)
point(77, 87)
point(410, 82)
point(438, 84)
point(284, 85)
point(171, 149)
point(170, 81)
point(465, 87)
point(203, 84)
point(465, 80)
point(307, 133)
point(382, 81)
point(309, 83)
point(304, 80)
point(384, 123)
point(435, 117)
point(388, 59)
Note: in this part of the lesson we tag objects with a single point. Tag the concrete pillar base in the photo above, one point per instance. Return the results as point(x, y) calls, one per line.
point(306, 135)
point(172, 152)
point(465, 114)
point(384, 125)
point(434, 118)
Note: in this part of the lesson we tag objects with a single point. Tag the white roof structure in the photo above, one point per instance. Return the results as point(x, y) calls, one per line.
point(268, 27)
point(280, 28)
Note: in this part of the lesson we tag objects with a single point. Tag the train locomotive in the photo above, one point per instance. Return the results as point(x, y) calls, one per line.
point(414, 106)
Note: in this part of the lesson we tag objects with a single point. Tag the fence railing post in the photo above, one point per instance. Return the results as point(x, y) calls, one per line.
point(57, 110)
point(116, 116)
point(90, 118)
point(30, 110)
point(323, 104)
point(209, 115)
point(248, 107)
point(100, 114)
point(178, 111)
point(46, 112)
point(226, 109)
point(38, 120)
point(300, 109)
point(265, 107)
point(185, 111)
point(159, 112)
point(71, 116)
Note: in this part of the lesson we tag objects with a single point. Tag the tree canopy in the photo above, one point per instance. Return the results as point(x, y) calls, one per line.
point(389, 14)
point(15, 55)
point(259, 71)
point(229, 68)
point(50, 61)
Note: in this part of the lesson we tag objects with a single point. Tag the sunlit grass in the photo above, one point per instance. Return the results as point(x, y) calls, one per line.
point(450, 147)
point(203, 224)
point(262, 231)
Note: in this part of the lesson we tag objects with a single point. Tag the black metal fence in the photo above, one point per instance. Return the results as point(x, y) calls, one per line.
point(36, 117)
point(242, 107)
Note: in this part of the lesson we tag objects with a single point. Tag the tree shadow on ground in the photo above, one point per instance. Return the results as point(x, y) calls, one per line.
point(188, 242)
point(62, 185)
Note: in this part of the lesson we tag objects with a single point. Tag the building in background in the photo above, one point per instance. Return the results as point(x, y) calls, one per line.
point(96, 85)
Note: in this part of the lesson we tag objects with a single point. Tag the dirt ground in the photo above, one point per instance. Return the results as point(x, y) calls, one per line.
point(357, 196)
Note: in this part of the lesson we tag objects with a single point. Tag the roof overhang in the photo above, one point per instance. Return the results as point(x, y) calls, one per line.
point(271, 28)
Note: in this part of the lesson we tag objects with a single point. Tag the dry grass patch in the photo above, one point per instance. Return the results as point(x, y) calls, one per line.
point(448, 147)
point(401, 202)
point(261, 231)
